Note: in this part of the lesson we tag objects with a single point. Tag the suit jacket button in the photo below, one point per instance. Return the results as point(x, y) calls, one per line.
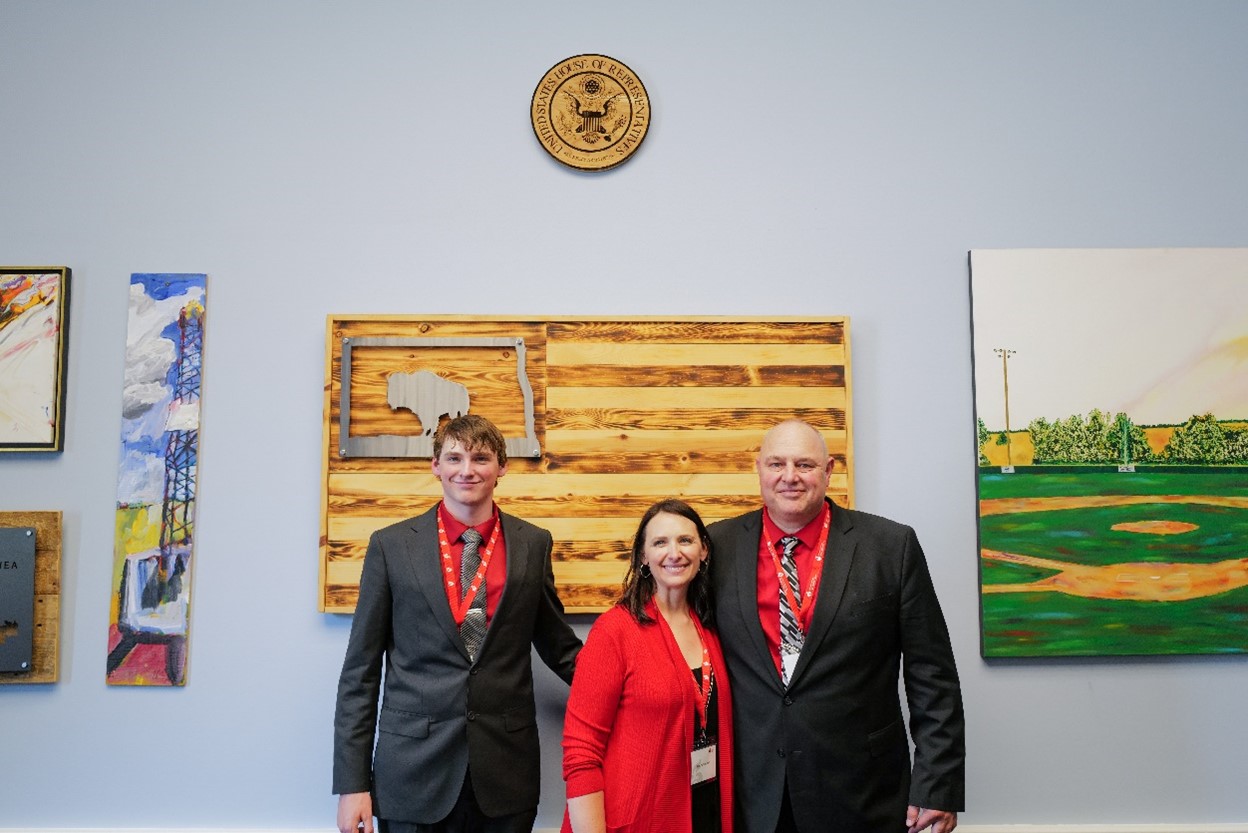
point(472, 715)
point(788, 701)
point(780, 752)
point(473, 670)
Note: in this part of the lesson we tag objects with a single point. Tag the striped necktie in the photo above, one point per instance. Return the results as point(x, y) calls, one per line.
point(472, 631)
point(791, 636)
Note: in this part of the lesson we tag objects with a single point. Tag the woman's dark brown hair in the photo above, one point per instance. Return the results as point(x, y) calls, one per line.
point(639, 588)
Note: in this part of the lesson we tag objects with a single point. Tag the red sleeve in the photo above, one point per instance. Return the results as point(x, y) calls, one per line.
point(592, 706)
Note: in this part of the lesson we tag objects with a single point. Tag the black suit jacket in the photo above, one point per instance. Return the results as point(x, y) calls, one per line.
point(836, 736)
point(440, 711)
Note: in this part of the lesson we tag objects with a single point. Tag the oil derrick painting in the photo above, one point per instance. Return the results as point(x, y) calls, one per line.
point(155, 522)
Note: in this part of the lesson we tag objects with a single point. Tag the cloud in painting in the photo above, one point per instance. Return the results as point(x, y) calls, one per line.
point(149, 356)
point(142, 478)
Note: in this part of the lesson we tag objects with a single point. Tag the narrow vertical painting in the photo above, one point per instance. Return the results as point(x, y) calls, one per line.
point(156, 488)
point(1111, 402)
point(34, 333)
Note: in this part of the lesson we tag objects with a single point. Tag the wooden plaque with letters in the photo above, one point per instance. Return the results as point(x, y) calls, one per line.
point(602, 418)
point(47, 597)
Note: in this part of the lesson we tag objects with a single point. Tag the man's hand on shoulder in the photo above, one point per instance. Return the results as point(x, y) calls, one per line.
point(919, 818)
point(354, 810)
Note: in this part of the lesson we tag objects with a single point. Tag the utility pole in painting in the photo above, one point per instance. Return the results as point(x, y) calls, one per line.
point(1126, 440)
point(1005, 376)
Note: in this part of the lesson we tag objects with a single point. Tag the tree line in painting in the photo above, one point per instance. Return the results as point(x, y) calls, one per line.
point(1202, 440)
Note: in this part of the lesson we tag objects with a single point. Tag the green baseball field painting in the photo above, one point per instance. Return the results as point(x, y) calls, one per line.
point(1111, 406)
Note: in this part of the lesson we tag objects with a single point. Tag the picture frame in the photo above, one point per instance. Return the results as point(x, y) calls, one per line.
point(34, 352)
point(1112, 431)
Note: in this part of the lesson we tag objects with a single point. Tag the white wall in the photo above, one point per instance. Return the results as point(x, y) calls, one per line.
point(805, 158)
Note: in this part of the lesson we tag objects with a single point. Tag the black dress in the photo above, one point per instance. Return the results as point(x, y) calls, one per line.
point(706, 794)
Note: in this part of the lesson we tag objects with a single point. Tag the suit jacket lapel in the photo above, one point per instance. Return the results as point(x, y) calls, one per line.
point(746, 574)
point(426, 563)
point(837, 560)
point(517, 552)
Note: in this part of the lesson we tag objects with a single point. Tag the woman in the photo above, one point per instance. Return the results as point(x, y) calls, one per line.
point(647, 740)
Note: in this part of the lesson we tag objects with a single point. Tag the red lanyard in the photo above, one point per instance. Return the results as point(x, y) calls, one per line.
point(800, 606)
point(460, 610)
point(702, 697)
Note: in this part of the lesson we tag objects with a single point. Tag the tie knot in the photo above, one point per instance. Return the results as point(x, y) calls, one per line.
point(471, 536)
point(789, 543)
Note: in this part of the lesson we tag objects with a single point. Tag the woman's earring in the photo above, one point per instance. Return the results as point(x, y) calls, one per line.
point(645, 571)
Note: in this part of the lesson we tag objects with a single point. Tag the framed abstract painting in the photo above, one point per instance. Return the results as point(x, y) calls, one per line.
point(34, 334)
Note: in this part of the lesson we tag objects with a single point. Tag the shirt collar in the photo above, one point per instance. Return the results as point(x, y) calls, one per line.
point(455, 528)
point(808, 535)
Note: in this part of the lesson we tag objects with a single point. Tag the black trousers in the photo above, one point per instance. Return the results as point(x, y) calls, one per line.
point(465, 817)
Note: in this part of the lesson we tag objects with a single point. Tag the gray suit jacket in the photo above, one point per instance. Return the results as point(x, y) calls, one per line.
point(836, 736)
point(440, 711)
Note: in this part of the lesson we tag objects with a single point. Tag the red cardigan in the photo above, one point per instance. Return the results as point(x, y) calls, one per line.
point(628, 730)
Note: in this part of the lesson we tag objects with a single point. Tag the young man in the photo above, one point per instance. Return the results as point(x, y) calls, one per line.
point(457, 745)
point(818, 609)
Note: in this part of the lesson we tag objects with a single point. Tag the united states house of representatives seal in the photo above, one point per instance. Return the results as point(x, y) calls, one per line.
point(590, 112)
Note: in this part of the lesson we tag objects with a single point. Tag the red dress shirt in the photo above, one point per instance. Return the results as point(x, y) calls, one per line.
point(769, 584)
point(495, 574)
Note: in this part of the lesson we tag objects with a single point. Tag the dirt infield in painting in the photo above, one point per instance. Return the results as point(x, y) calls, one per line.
point(1143, 581)
point(1140, 581)
point(1102, 563)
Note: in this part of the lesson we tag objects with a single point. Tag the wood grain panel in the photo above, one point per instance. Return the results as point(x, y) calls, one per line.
point(597, 527)
point(757, 420)
point(437, 326)
point(628, 506)
point(489, 373)
point(692, 331)
point(677, 462)
point(626, 411)
point(603, 573)
point(614, 375)
point(613, 551)
point(665, 442)
point(677, 398)
point(345, 572)
point(519, 486)
point(651, 354)
point(587, 598)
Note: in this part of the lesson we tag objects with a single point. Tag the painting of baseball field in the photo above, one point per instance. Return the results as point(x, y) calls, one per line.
point(1111, 404)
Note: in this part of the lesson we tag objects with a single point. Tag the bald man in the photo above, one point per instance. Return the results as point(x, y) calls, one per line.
point(820, 609)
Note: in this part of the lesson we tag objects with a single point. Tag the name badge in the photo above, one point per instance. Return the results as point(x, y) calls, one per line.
point(789, 660)
point(704, 764)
